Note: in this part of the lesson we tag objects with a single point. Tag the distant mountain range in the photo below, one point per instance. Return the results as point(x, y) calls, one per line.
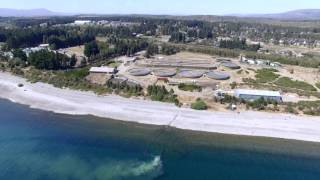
point(5, 12)
point(303, 14)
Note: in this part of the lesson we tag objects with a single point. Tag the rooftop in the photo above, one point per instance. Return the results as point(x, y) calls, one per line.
point(257, 92)
point(102, 70)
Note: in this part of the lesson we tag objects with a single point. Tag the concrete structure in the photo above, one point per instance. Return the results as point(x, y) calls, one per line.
point(102, 70)
point(100, 75)
point(230, 65)
point(183, 64)
point(251, 95)
point(221, 60)
point(139, 72)
point(218, 75)
point(164, 72)
point(130, 61)
point(191, 74)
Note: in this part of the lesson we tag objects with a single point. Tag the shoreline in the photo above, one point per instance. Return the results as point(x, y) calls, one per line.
point(64, 101)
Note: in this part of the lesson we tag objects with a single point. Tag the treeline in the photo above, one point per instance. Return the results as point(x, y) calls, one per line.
point(312, 62)
point(36, 22)
point(21, 38)
point(116, 47)
point(56, 37)
point(164, 49)
point(178, 37)
point(59, 37)
point(239, 44)
point(44, 60)
point(193, 29)
point(57, 42)
point(48, 60)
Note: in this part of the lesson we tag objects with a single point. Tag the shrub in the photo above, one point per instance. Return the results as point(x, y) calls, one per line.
point(160, 93)
point(261, 104)
point(199, 105)
point(189, 87)
point(233, 85)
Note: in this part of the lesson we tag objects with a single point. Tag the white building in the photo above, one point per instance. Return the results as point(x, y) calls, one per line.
point(44, 46)
point(103, 70)
point(28, 51)
point(8, 54)
point(252, 95)
point(82, 22)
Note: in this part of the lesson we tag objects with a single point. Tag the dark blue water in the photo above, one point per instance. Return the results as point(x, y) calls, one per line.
point(41, 145)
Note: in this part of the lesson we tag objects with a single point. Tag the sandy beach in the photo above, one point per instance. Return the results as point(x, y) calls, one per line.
point(46, 97)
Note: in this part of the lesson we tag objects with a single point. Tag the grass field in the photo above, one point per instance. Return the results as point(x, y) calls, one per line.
point(266, 75)
point(287, 82)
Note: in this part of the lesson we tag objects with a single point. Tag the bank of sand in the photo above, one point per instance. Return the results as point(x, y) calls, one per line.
point(46, 97)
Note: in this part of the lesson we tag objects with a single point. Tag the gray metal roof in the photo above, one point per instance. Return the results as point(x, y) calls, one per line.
point(239, 92)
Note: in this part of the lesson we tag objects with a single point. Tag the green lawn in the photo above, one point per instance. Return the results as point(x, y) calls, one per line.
point(266, 75)
point(287, 82)
point(114, 64)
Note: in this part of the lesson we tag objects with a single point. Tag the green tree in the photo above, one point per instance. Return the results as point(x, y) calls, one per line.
point(18, 53)
point(91, 49)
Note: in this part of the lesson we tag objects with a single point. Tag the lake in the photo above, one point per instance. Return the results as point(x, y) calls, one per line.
point(42, 145)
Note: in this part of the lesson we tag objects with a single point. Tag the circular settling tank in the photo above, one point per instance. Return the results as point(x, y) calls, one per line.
point(218, 75)
point(230, 65)
point(164, 72)
point(191, 74)
point(139, 72)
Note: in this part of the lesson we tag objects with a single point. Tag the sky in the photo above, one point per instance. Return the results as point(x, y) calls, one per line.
point(172, 7)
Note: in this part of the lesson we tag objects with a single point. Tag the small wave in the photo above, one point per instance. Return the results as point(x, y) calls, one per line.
point(131, 170)
point(144, 168)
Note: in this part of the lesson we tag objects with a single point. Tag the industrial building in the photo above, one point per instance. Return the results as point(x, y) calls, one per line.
point(82, 22)
point(252, 95)
point(102, 70)
point(100, 75)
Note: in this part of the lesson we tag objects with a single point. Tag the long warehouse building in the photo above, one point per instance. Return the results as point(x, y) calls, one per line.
point(251, 95)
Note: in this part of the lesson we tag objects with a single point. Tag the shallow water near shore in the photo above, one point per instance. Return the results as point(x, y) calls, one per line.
point(42, 145)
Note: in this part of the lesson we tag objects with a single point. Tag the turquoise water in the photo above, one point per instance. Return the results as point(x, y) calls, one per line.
point(41, 145)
